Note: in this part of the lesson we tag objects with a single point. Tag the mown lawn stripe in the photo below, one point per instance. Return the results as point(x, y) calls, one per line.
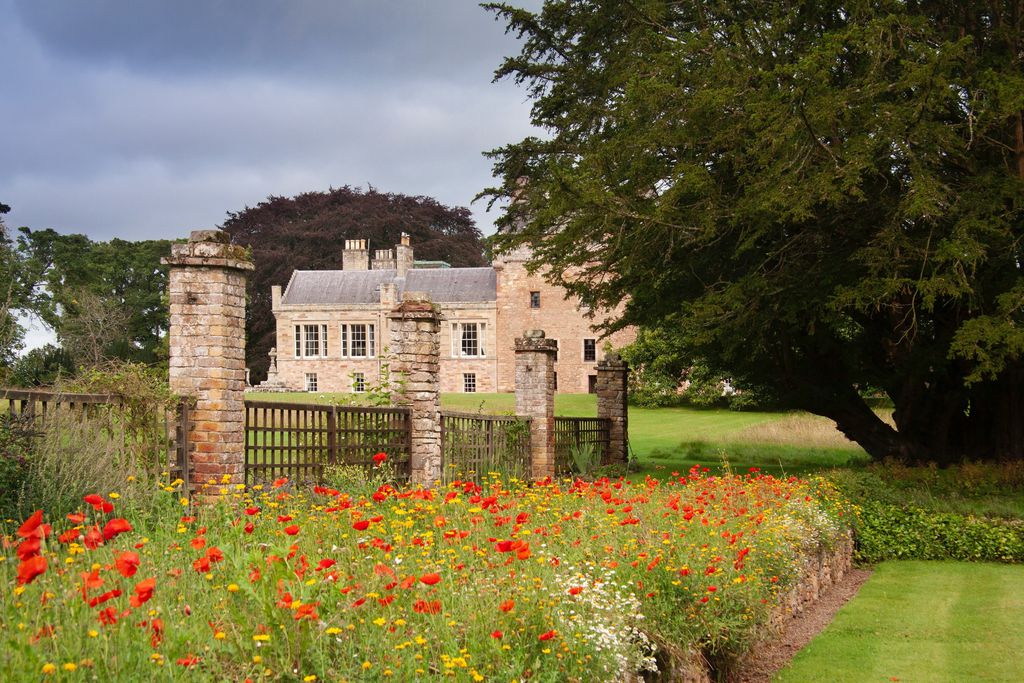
point(923, 621)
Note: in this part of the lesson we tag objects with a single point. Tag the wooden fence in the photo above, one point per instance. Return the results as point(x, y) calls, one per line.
point(298, 440)
point(158, 437)
point(579, 433)
point(474, 444)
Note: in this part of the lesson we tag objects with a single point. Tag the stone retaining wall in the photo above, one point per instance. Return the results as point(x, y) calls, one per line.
point(821, 571)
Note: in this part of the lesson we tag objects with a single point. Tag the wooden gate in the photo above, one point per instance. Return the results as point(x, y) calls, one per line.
point(298, 440)
point(473, 444)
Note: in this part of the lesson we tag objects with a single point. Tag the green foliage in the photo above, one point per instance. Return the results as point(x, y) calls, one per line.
point(104, 299)
point(43, 366)
point(358, 481)
point(930, 514)
point(584, 459)
point(893, 532)
point(811, 196)
point(121, 447)
point(15, 450)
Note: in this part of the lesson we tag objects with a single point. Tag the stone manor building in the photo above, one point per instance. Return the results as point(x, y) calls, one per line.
point(332, 324)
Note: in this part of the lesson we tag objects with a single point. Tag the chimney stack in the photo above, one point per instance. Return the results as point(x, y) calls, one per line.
point(356, 255)
point(403, 255)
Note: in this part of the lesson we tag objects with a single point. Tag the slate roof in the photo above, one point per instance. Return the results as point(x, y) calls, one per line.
point(443, 285)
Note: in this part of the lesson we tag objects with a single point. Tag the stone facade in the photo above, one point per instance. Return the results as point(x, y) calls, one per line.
point(335, 373)
point(415, 357)
point(207, 350)
point(496, 301)
point(612, 403)
point(563, 320)
point(535, 397)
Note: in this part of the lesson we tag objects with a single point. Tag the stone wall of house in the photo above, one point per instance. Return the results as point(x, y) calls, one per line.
point(334, 373)
point(561, 319)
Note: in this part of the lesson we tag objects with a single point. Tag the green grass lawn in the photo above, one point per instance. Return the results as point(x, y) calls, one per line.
point(923, 621)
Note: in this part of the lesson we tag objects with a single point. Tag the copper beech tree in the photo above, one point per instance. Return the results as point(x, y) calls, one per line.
point(306, 232)
point(820, 196)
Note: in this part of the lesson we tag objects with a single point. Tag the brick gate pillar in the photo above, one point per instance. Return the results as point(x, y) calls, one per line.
point(535, 397)
point(207, 350)
point(415, 328)
point(612, 398)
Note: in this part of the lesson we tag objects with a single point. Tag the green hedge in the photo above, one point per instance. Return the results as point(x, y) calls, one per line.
point(889, 532)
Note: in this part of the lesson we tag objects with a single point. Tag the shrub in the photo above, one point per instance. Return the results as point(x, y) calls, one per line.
point(929, 513)
point(44, 366)
point(894, 532)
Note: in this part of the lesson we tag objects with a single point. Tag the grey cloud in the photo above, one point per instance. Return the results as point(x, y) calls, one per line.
point(406, 37)
point(126, 119)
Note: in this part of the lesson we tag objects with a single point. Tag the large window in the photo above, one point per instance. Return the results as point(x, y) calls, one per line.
point(468, 340)
point(589, 350)
point(358, 340)
point(311, 341)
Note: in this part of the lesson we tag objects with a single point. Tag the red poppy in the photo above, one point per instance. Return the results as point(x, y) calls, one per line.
point(109, 595)
point(108, 616)
point(280, 482)
point(29, 569)
point(575, 590)
point(214, 553)
point(95, 500)
point(307, 610)
point(497, 635)
point(127, 563)
point(408, 582)
point(547, 636)
point(198, 543)
point(70, 535)
point(31, 524)
point(361, 525)
point(143, 592)
point(28, 548)
point(252, 511)
point(431, 579)
point(325, 563)
point(292, 529)
point(202, 565)
point(158, 632)
point(249, 528)
point(189, 661)
point(116, 526)
point(424, 607)
point(76, 517)
point(379, 458)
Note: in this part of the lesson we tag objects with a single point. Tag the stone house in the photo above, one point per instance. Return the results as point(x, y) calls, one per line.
point(332, 324)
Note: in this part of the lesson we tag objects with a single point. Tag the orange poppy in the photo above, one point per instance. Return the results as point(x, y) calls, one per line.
point(431, 578)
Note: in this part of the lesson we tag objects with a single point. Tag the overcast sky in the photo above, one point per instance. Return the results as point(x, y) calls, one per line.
point(150, 118)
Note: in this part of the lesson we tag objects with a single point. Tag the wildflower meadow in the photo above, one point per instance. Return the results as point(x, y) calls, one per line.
point(505, 580)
